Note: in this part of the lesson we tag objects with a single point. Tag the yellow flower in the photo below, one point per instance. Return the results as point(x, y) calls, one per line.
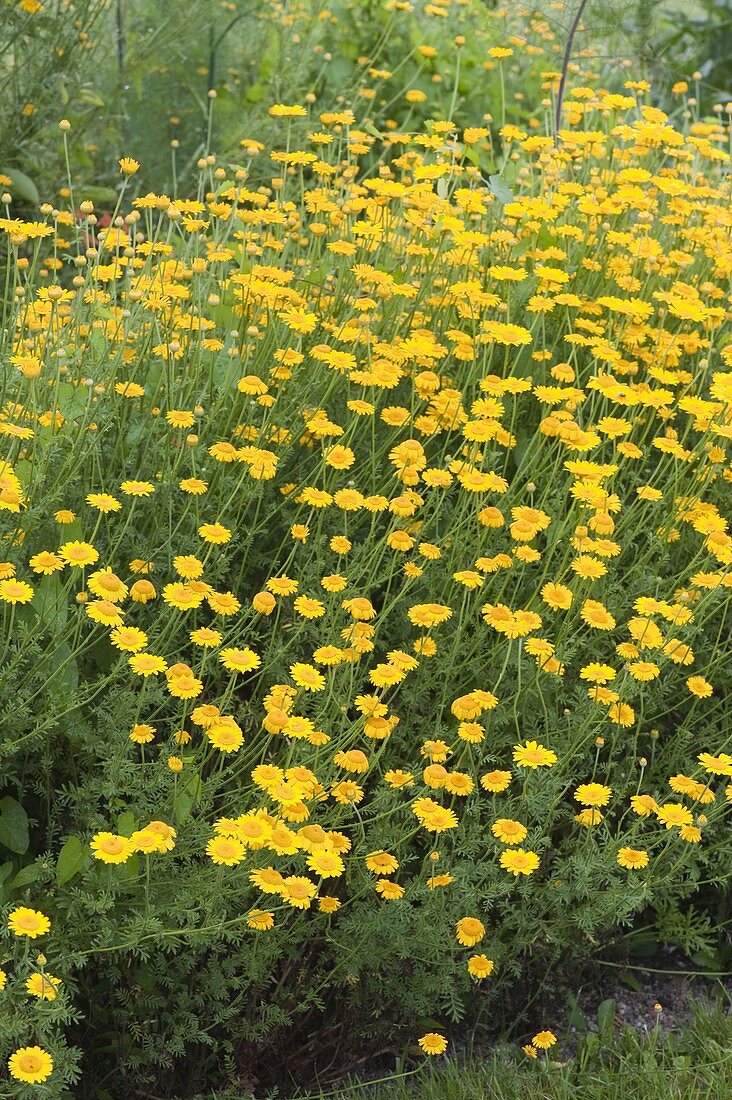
point(31, 1065)
point(381, 863)
point(264, 603)
point(347, 793)
point(386, 675)
point(495, 781)
point(79, 554)
point(143, 591)
point(107, 585)
point(309, 608)
point(544, 1039)
point(429, 614)
point(137, 488)
point(261, 920)
point(298, 891)
point(283, 110)
point(353, 760)
point(717, 765)
point(328, 904)
point(128, 638)
point(388, 890)
point(480, 966)
point(643, 670)
point(519, 862)
point(111, 848)
point(598, 673)
point(432, 1043)
point(558, 596)
point(147, 664)
point(674, 813)
point(622, 714)
point(596, 615)
point(28, 922)
point(240, 660)
point(165, 833)
point(214, 533)
point(325, 864)
point(593, 794)
point(307, 677)
point(103, 611)
point(12, 592)
point(43, 986)
point(225, 851)
point(225, 735)
point(103, 502)
point(508, 831)
point(633, 859)
point(46, 563)
point(433, 817)
point(643, 804)
point(588, 818)
point(469, 931)
point(142, 734)
point(196, 487)
point(533, 755)
point(700, 687)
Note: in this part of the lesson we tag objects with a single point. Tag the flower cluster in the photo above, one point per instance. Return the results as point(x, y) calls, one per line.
point(394, 507)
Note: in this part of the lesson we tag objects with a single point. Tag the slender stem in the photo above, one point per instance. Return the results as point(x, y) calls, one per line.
point(565, 65)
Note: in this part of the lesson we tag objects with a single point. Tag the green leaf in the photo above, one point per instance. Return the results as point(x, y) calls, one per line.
point(105, 195)
point(589, 1047)
point(70, 860)
point(545, 238)
point(126, 823)
point(72, 399)
point(21, 186)
point(499, 189)
point(50, 603)
point(90, 98)
point(255, 92)
point(59, 671)
point(26, 875)
point(126, 874)
point(470, 153)
point(185, 798)
point(13, 825)
point(371, 129)
point(576, 1017)
point(629, 979)
point(270, 58)
point(645, 948)
point(606, 1020)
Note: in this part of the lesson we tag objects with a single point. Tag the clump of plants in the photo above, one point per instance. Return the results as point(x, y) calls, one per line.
point(365, 586)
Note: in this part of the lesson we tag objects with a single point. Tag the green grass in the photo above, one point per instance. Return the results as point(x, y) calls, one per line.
point(689, 1065)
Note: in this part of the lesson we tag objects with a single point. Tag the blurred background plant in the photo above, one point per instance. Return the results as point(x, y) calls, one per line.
point(47, 65)
point(134, 75)
point(679, 41)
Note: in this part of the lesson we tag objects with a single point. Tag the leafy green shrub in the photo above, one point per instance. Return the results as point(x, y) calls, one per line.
point(366, 580)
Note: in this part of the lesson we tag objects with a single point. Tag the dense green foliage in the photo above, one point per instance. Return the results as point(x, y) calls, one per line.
point(365, 602)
